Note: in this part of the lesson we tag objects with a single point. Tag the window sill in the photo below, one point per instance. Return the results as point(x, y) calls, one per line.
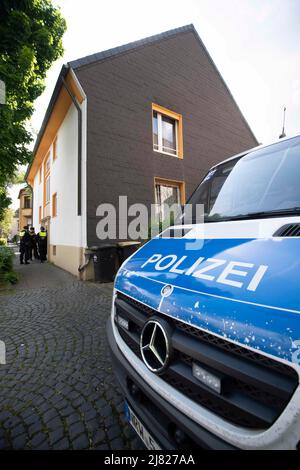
point(167, 153)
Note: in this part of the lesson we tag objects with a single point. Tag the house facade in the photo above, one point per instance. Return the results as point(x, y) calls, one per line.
point(25, 209)
point(145, 120)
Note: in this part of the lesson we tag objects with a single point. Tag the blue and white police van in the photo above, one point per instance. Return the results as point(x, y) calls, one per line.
point(205, 324)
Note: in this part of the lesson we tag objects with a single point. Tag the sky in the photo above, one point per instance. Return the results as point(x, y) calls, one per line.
point(254, 44)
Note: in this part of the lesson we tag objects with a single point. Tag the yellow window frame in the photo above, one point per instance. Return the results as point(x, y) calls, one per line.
point(177, 117)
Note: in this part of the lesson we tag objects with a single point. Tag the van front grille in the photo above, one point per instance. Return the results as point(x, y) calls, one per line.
point(255, 389)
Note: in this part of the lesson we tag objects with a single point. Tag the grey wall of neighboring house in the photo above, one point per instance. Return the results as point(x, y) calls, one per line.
point(177, 74)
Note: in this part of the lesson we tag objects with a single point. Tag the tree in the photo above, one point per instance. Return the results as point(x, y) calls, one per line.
point(4, 201)
point(31, 34)
point(6, 223)
point(18, 178)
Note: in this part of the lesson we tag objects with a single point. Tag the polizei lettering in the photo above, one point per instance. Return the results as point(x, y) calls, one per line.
point(218, 270)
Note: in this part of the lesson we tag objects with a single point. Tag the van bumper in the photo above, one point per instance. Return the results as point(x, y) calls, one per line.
point(168, 426)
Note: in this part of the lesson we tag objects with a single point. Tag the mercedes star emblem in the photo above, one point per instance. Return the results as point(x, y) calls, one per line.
point(155, 345)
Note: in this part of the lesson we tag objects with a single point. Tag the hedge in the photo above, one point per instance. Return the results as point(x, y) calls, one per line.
point(7, 274)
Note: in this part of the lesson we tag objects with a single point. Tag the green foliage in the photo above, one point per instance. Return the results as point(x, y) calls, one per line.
point(18, 178)
point(3, 241)
point(6, 223)
point(11, 277)
point(159, 225)
point(6, 259)
point(7, 275)
point(30, 41)
point(5, 201)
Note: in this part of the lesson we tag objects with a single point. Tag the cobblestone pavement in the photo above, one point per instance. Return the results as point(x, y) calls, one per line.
point(57, 389)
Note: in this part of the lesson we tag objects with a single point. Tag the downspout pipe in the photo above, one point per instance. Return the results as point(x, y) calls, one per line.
point(79, 160)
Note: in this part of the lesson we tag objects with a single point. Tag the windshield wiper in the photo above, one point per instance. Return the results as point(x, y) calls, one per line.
point(255, 215)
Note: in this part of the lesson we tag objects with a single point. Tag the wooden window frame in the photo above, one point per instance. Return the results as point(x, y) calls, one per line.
point(174, 183)
point(40, 214)
point(26, 197)
point(54, 148)
point(47, 193)
point(54, 205)
point(40, 174)
point(179, 129)
point(46, 176)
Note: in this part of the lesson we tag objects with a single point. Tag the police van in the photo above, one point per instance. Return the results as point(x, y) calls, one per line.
point(205, 324)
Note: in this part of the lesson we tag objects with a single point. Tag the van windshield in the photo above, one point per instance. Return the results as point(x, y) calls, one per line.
point(263, 183)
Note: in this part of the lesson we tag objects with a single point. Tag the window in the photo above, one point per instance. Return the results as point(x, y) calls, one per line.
point(27, 202)
point(40, 214)
point(168, 193)
point(54, 205)
point(55, 149)
point(47, 190)
point(167, 131)
point(47, 164)
point(47, 180)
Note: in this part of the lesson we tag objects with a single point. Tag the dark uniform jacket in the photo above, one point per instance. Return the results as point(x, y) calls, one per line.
point(25, 239)
point(42, 243)
point(41, 238)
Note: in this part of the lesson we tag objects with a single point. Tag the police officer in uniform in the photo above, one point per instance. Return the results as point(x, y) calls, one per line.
point(42, 244)
point(33, 246)
point(25, 242)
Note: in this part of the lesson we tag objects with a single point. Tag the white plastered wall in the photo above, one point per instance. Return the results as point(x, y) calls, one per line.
point(66, 226)
point(67, 230)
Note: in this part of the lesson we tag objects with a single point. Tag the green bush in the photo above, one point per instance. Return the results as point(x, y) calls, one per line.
point(7, 275)
point(11, 277)
point(3, 242)
point(6, 259)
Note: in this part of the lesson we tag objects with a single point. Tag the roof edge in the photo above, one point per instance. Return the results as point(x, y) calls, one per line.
point(115, 51)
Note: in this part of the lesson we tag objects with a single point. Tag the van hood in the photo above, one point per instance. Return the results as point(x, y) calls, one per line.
point(245, 290)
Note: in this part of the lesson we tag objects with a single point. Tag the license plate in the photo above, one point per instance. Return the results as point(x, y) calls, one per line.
point(140, 429)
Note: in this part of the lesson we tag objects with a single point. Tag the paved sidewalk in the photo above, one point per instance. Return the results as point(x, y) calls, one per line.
point(57, 389)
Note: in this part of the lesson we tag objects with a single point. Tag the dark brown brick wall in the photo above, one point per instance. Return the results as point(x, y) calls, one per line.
point(175, 73)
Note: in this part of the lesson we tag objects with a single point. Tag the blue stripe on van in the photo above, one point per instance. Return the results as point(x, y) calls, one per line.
point(264, 319)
